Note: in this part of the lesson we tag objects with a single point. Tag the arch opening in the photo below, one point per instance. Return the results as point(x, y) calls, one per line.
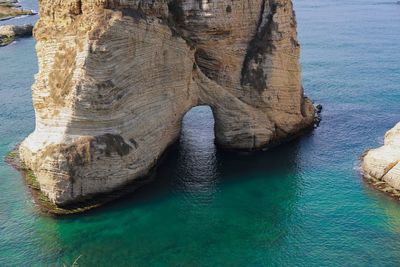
point(197, 158)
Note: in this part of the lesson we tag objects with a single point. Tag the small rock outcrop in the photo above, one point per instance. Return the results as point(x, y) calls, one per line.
point(117, 76)
point(9, 33)
point(383, 164)
point(11, 8)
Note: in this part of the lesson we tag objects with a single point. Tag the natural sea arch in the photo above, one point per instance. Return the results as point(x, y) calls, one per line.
point(196, 171)
point(115, 78)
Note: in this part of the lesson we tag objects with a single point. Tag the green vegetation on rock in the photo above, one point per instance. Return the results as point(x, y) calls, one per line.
point(6, 40)
point(41, 199)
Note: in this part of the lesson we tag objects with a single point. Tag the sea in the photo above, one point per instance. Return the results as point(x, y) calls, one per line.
point(303, 203)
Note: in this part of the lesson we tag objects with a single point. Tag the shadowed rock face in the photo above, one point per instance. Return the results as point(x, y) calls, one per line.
point(117, 76)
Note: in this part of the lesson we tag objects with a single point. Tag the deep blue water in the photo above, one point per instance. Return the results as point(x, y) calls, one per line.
point(301, 204)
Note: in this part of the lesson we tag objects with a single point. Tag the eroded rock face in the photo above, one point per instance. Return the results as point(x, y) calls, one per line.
point(117, 76)
point(383, 164)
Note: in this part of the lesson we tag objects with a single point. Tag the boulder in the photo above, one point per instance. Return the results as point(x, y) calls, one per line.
point(383, 163)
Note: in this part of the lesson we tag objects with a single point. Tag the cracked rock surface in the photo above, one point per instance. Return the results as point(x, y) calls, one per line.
point(116, 78)
point(383, 163)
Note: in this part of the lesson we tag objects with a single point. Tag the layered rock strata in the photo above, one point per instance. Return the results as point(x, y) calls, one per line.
point(117, 76)
point(383, 164)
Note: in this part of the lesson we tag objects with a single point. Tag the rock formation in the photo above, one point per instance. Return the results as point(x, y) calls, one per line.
point(10, 32)
point(117, 76)
point(10, 9)
point(383, 164)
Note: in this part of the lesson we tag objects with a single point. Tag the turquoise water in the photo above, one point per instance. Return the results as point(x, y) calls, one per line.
point(302, 204)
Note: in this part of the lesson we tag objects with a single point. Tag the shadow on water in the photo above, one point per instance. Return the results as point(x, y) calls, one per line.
point(201, 199)
point(197, 169)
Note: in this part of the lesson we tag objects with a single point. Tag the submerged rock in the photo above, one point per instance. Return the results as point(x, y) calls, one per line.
point(383, 164)
point(116, 78)
point(10, 32)
point(319, 108)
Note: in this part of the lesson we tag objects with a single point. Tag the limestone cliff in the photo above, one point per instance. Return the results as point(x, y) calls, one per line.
point(383, 164)
point(117, 76)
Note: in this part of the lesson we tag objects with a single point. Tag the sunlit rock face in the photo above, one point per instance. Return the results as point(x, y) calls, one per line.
point(383, 163)
point(117, 76)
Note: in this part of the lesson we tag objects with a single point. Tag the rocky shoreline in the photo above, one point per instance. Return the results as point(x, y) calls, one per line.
point(43, 203)
point(383, 187)
point(381, 166)
point(47, 207)
point(10, 9)
point(10, 33)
